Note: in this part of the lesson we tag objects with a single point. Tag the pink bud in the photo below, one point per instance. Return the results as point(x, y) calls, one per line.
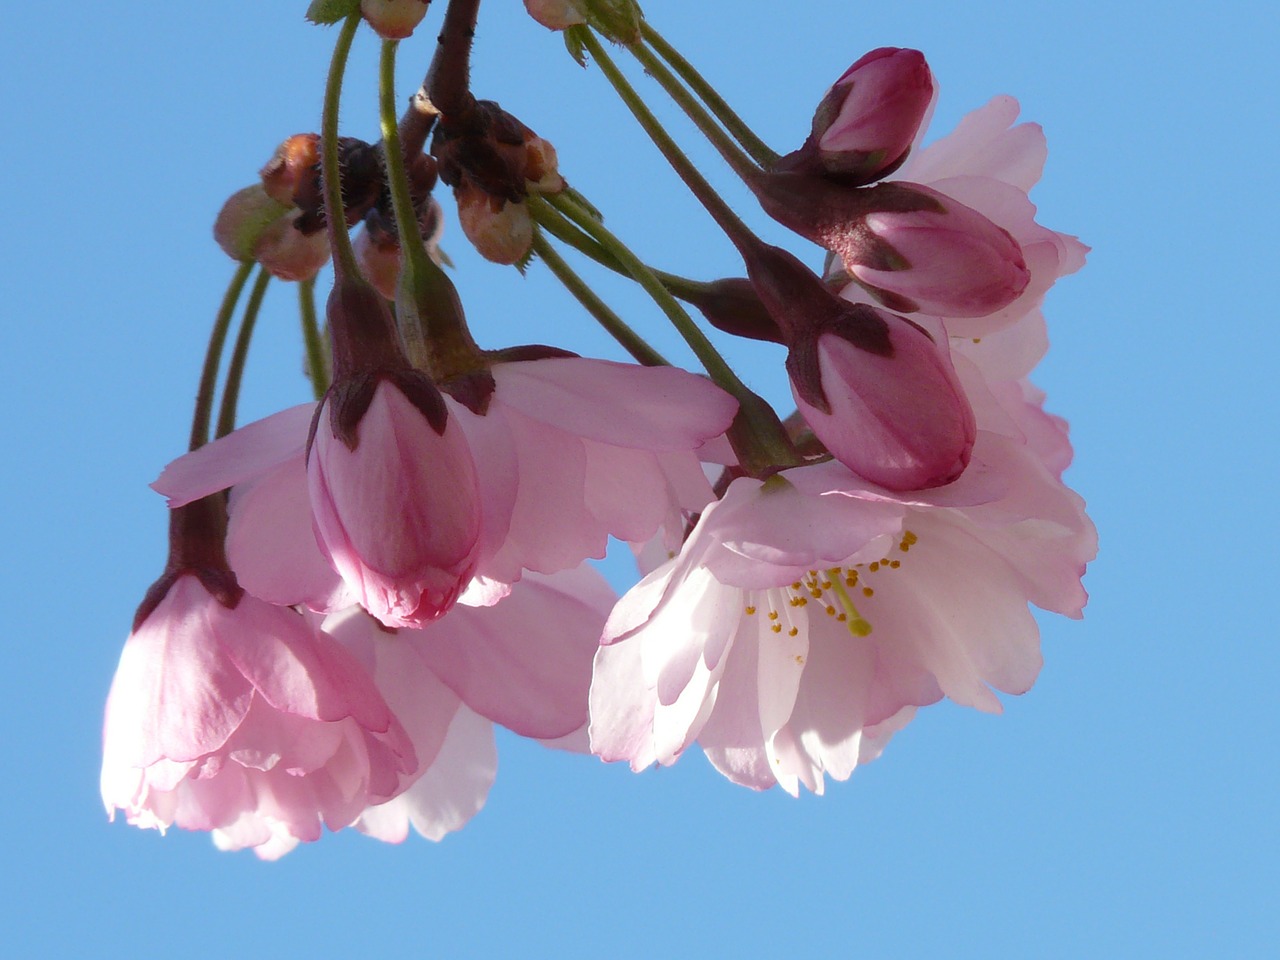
point(378, 251)
point(243, 218)
point(896, 417)
point(555, 14)
point(941, 258)
point(290, 254)
point(502, 231)
point(394, 496)
point(866, 124)
point(914, 248)
point(393, 19)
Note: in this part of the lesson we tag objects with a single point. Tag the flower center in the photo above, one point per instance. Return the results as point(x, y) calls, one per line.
point(833, 590)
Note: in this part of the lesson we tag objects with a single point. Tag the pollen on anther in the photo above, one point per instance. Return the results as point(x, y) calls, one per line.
point(868, 592)
point(750, 611)
point(895, 564)
point(773, 614)
point(831, 611)
point(793, 631)
point(775, 627)
point(874, 566)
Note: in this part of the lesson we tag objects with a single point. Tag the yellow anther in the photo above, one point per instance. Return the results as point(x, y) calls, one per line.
point(868, 592)
point(776, 627)
point(750, 610)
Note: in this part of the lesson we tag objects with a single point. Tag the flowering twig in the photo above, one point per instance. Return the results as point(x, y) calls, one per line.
point(446, 85)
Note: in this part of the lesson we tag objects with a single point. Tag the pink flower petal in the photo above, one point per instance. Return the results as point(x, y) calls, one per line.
point(251, 451)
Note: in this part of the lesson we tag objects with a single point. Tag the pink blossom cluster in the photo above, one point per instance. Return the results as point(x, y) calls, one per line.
point(359, 588)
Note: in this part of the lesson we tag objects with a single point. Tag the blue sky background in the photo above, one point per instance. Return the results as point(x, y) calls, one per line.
point(1126, 806)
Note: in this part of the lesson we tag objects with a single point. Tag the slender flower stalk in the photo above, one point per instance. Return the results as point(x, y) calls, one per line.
point(429, 313)
point(344, 257)
point(555, 223)
point(240, 354)
point(312, 338)
point(734, 228)
point(758, 149)
point(758, 436)
point(613, 324)
point(213, 357)
point(743, 165)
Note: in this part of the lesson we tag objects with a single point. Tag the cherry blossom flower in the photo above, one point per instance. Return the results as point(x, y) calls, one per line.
point(238, 717)
point(808, 616)
point(394, 497)
point(568, 452)
point(524, 663)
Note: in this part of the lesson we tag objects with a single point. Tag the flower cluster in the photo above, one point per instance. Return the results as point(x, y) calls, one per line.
point(359, 587)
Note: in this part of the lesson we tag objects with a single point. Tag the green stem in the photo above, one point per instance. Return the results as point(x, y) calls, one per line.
point(742, 165)
point(413, 256)
point(616, 327)
point(705, 351)
point(239, 354)
point(430, 318)
point(563, 230)
point(344, 258)
point(757, 435)
point(317, 358)
point(758, 149)
point(735, 229)
point(213, 357)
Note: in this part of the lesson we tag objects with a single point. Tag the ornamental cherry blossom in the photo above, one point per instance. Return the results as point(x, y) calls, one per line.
point(395, 499)
point(233, 715)
point(808, 616)
point(568, 452)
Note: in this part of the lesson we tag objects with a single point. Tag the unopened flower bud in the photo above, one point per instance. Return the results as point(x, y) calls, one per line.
point(556, 14)
point(866, 124)
point(288, 253)
point(295, 160)
point(947, 260)
point(541, 171)
point(378, 249)
point(243, 218)
point(502, 231)
point(877, 390)
point(912, 247)
point(393, 19)
point(395, 498)
point(898, 418)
